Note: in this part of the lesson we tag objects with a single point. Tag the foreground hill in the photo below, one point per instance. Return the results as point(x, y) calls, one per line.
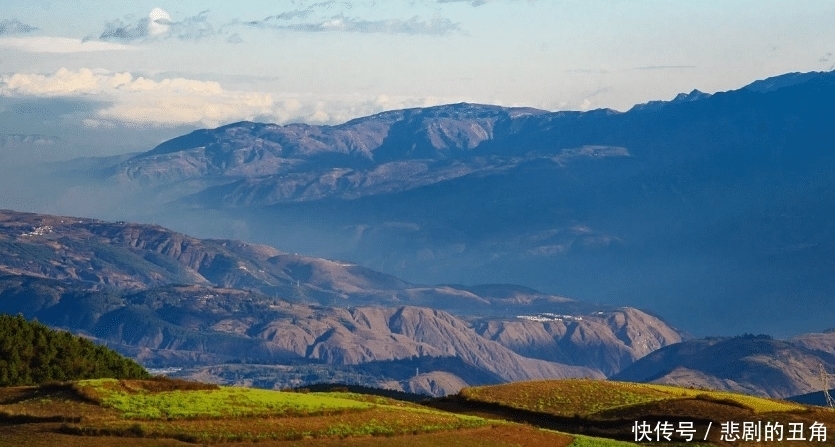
point(174, 413)
point(172, 300)
point(554, 412)
point(714, 201)
point(31, 353)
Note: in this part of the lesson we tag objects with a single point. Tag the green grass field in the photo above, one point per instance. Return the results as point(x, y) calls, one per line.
point(104, 411)
point(229, 414)
point(138, 403)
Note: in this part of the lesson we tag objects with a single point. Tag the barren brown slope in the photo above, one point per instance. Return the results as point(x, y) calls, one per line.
point(436, 383)
point(198, 325)
point(372, 334)
point(609, 340)
point(823, 342)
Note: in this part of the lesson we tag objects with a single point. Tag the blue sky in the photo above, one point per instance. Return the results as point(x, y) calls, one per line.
point(177, 65)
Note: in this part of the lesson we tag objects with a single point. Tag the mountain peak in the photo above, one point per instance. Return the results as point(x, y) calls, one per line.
point(694, 95)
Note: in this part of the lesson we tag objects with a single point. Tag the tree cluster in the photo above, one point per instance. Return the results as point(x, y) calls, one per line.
point(31, 353)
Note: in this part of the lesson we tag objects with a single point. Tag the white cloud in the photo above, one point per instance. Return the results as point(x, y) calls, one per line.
point(61, 83)
point(143, 101)
point(46, 44)
point(190, 108)
point(92, 123)
point(159, 22)
point(319, 116)
point(136, 100)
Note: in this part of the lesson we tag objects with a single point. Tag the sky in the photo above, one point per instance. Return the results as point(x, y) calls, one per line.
point(120, 76)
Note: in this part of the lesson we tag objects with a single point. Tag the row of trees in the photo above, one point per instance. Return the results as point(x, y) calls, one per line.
point(31, 353)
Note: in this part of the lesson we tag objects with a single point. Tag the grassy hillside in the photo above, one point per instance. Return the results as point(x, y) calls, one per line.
point(562, 413)
point(612, 409)
point(173, 412)
point(32, 353)
point(167, 413)
point(593, 397)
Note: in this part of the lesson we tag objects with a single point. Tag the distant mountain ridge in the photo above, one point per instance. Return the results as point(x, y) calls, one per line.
point(135, 256)
point(401, 142)
point(262, 164)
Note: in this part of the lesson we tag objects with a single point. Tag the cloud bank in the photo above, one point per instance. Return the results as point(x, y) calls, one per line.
point(142, 101)
point(126, 99)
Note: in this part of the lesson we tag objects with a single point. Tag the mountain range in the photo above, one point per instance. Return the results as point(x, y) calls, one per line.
point(692, 208)
point(170, 300)
point(712, 210)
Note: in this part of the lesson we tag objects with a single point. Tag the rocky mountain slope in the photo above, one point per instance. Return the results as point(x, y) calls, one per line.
point(567, 339)
point(172, 300)
point(303, 162)
point(749, 364)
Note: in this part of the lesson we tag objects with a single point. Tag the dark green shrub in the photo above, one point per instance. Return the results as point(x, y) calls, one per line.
point(31, 354)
